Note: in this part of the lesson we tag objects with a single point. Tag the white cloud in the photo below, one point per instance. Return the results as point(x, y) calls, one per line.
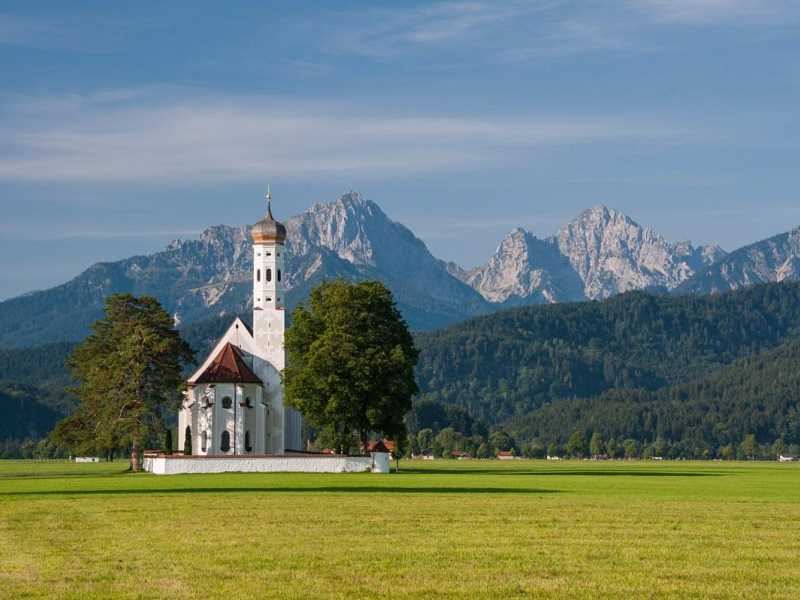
point(709, 12)
point(106, 137)
point(533, 30)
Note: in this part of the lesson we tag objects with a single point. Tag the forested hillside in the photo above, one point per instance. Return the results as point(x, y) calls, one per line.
point(757, 395)
point(511, 363)
point(618, 367)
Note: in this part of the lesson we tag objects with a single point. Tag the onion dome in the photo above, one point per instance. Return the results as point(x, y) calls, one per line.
point(268, 229)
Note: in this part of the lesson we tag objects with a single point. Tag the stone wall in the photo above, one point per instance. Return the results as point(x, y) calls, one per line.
point(174, 465)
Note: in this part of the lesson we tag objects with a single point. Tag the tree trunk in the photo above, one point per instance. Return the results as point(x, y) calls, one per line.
point(134, 456)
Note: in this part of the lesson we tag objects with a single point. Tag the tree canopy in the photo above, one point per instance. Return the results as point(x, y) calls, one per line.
point(129, 378)
point(351, 362)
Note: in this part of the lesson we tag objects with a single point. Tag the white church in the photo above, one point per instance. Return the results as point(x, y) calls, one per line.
point(234, 401)
point(233, 410)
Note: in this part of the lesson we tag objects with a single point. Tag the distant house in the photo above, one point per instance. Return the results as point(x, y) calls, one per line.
point(553, 457)
point(782, 458)
point(460, 455)
point(505, 455)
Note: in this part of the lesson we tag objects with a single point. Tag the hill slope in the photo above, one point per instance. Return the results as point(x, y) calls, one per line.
point(512, 363)
point(756, 395)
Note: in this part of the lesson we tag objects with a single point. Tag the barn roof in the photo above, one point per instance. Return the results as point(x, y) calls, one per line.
point(228, 366)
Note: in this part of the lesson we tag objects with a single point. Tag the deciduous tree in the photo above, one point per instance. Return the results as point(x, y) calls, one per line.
point(351, 361)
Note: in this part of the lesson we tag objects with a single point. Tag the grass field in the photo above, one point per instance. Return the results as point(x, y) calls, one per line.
point(472, 529)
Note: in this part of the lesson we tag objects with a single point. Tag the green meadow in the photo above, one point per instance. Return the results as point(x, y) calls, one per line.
point(469, 529)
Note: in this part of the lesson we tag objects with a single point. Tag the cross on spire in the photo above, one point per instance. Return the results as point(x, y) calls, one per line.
point(269, 201)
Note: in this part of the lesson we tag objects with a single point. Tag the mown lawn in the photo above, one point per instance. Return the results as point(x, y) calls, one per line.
point(470, 529)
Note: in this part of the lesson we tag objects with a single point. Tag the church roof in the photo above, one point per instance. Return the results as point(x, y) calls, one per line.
point(268, 229)
point(378, 446)
point(228, 366)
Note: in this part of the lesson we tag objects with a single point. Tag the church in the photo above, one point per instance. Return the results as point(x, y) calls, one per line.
point(234, 402)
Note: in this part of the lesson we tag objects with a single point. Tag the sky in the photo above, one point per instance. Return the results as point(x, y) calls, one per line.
point(126, 125)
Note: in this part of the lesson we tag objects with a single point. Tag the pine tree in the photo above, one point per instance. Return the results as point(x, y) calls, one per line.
point(129, 377)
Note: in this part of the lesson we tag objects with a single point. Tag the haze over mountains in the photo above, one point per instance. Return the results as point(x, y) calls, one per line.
point(597, 255)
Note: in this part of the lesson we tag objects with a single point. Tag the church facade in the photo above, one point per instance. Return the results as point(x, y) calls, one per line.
point(234, 402)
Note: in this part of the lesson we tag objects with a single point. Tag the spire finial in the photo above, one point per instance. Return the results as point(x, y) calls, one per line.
point(269, 201)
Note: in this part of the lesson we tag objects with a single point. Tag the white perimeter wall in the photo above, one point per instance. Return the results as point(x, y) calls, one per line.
point(164, 465)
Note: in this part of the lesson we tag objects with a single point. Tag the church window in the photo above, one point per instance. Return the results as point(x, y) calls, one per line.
point(279, 274)
point(269, 253)
point(269, 299)
point(204, 439)
point(258, 274)
point(225, 441)
point(247, 402)
point(247, 445)
point(227, 402)
point(269, 275)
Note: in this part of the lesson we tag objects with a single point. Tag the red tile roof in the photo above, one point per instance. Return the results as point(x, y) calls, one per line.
point(228, 366)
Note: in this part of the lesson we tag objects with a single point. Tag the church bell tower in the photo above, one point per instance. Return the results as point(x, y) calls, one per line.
point(269, 238)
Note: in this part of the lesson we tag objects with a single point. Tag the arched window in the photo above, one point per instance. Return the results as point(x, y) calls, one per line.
point(248, 403)
point(258, 274)
point(227, 402)
point(204, 439)
point(247, 445)
point(279, 274)
point(187, 441)
point(269, 275)
point(225, 441)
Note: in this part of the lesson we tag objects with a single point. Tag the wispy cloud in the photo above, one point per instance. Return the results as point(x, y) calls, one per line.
point(526, 30)
point(106, 137)
point(719, 12)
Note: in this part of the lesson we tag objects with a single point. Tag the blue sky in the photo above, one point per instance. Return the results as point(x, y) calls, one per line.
point(126, 125)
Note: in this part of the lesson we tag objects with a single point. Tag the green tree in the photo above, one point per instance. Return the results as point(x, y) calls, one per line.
point(534, 449)
point(552, 449)
point(660, 447)
point(749, 446)
point(485, 451)
point(576, 444)
point(501, 441)
point(631, 448)
point(727, 452)
point(778, 448)
point(596, 445)
point(351, 361)
point(447, 441)
point(129, 377)
point(612, 448)
point(425, 440)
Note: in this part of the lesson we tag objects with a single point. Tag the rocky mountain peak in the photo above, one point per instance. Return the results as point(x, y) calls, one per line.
point(600, 253)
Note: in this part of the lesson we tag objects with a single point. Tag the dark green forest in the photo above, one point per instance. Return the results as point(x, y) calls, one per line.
point(757, 395)
point(509, 364)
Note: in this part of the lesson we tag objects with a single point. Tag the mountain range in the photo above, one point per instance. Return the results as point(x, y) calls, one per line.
point(597, 255)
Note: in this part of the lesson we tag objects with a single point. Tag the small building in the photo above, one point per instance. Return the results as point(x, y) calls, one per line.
point(505, 455)
point(460, 455)
point(87, 459)
point(783, 458)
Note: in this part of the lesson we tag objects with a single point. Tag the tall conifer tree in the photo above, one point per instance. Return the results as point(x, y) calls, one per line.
point(129, 377)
